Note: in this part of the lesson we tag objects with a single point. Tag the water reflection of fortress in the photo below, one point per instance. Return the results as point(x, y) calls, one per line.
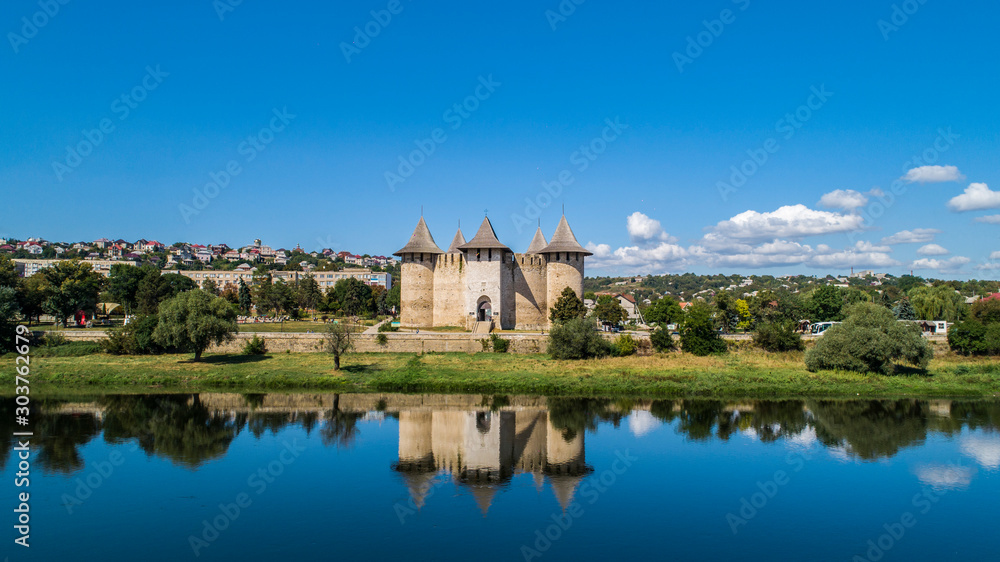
point(484, 450)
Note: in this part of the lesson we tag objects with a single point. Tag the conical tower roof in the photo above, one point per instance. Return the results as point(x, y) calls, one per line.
point(484, 238)
point(456, 242)
point(564, 488)
point(538, 243)
point(421, 242)
point(483, 494)
point(419, 484)
point(564, 241)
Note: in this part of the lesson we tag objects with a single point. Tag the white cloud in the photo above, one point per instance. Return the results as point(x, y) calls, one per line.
point(663, 257)
point(865, 246)
point(641, 422)
point(995, 255)
point(644, 230)
point(948, 476)
point(790, 221)
point(940, 265)
point(847, 200)
point(915, 236)
point(989, 219)
point(977, 196)
point(852, 258)
point(984, 450)
point(933, 174)
point(932, 250)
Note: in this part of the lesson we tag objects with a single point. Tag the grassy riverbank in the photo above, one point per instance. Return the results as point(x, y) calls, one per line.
point(738, 374)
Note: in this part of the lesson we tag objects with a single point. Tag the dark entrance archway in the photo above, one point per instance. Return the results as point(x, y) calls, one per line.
point(485, 311)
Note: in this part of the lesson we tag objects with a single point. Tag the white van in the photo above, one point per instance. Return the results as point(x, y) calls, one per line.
point(818, 328)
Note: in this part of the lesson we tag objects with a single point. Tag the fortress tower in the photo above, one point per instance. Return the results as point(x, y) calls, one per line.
point(483, 280)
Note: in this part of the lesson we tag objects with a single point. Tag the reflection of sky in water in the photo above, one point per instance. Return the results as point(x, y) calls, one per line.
point(422, 482)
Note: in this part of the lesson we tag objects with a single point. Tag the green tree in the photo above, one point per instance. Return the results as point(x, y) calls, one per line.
point(937, 303)
point(154, 288)
point(744, 318)
point(661, 340)
point(353, 296)
point(869, 340)
point(825, 304)
point(73, 286)
point(124, 281)
point(308, 293)
point(9, 311)
point(567, 307)
point(393, 296)
point(263, 286)
point(778, 336)
point(8, 272)
point(193, 320)
point(339, 340)
point(609, 311)
point(210, 287)
point(664, 311)
point(31, 295)
point(245, 300)
point(577, 338)
point(725, 311)
point(698, 335)
point(904, 310)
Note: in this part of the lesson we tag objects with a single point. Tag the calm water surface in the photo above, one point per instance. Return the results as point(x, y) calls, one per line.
point(434, 477)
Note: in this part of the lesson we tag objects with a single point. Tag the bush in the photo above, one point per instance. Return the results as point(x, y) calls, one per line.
point(382, 339)
point(71, 349)
point(778, 336)
point(52, 339)
point(577, 339)
point(973, 337)
point(625, 345)
point(698, 335)
point(136, 338)
point(869, 340)
point(388, 327)
point(662, 340)
point(255, 346)
point(500, 345)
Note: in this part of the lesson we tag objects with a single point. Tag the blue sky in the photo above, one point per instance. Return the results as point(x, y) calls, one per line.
point(331, 113)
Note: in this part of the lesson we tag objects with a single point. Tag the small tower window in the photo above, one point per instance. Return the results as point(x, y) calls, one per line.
point(490, 254)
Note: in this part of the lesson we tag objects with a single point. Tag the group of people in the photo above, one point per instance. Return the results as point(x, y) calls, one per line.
point(261, 319)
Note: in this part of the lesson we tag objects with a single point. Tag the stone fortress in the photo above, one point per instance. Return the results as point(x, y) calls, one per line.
point(481, 284)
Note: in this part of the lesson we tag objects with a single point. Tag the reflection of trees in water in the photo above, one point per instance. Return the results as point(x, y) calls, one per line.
point(971, 415)
point(59, 438)
point(8, 426)
point(576, 415)
point(867, 429)
point(341, 428)
point(774, 420)
point(870, 429)
point(177, 427)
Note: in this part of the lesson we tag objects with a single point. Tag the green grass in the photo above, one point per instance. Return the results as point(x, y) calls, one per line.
point(741, 374)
